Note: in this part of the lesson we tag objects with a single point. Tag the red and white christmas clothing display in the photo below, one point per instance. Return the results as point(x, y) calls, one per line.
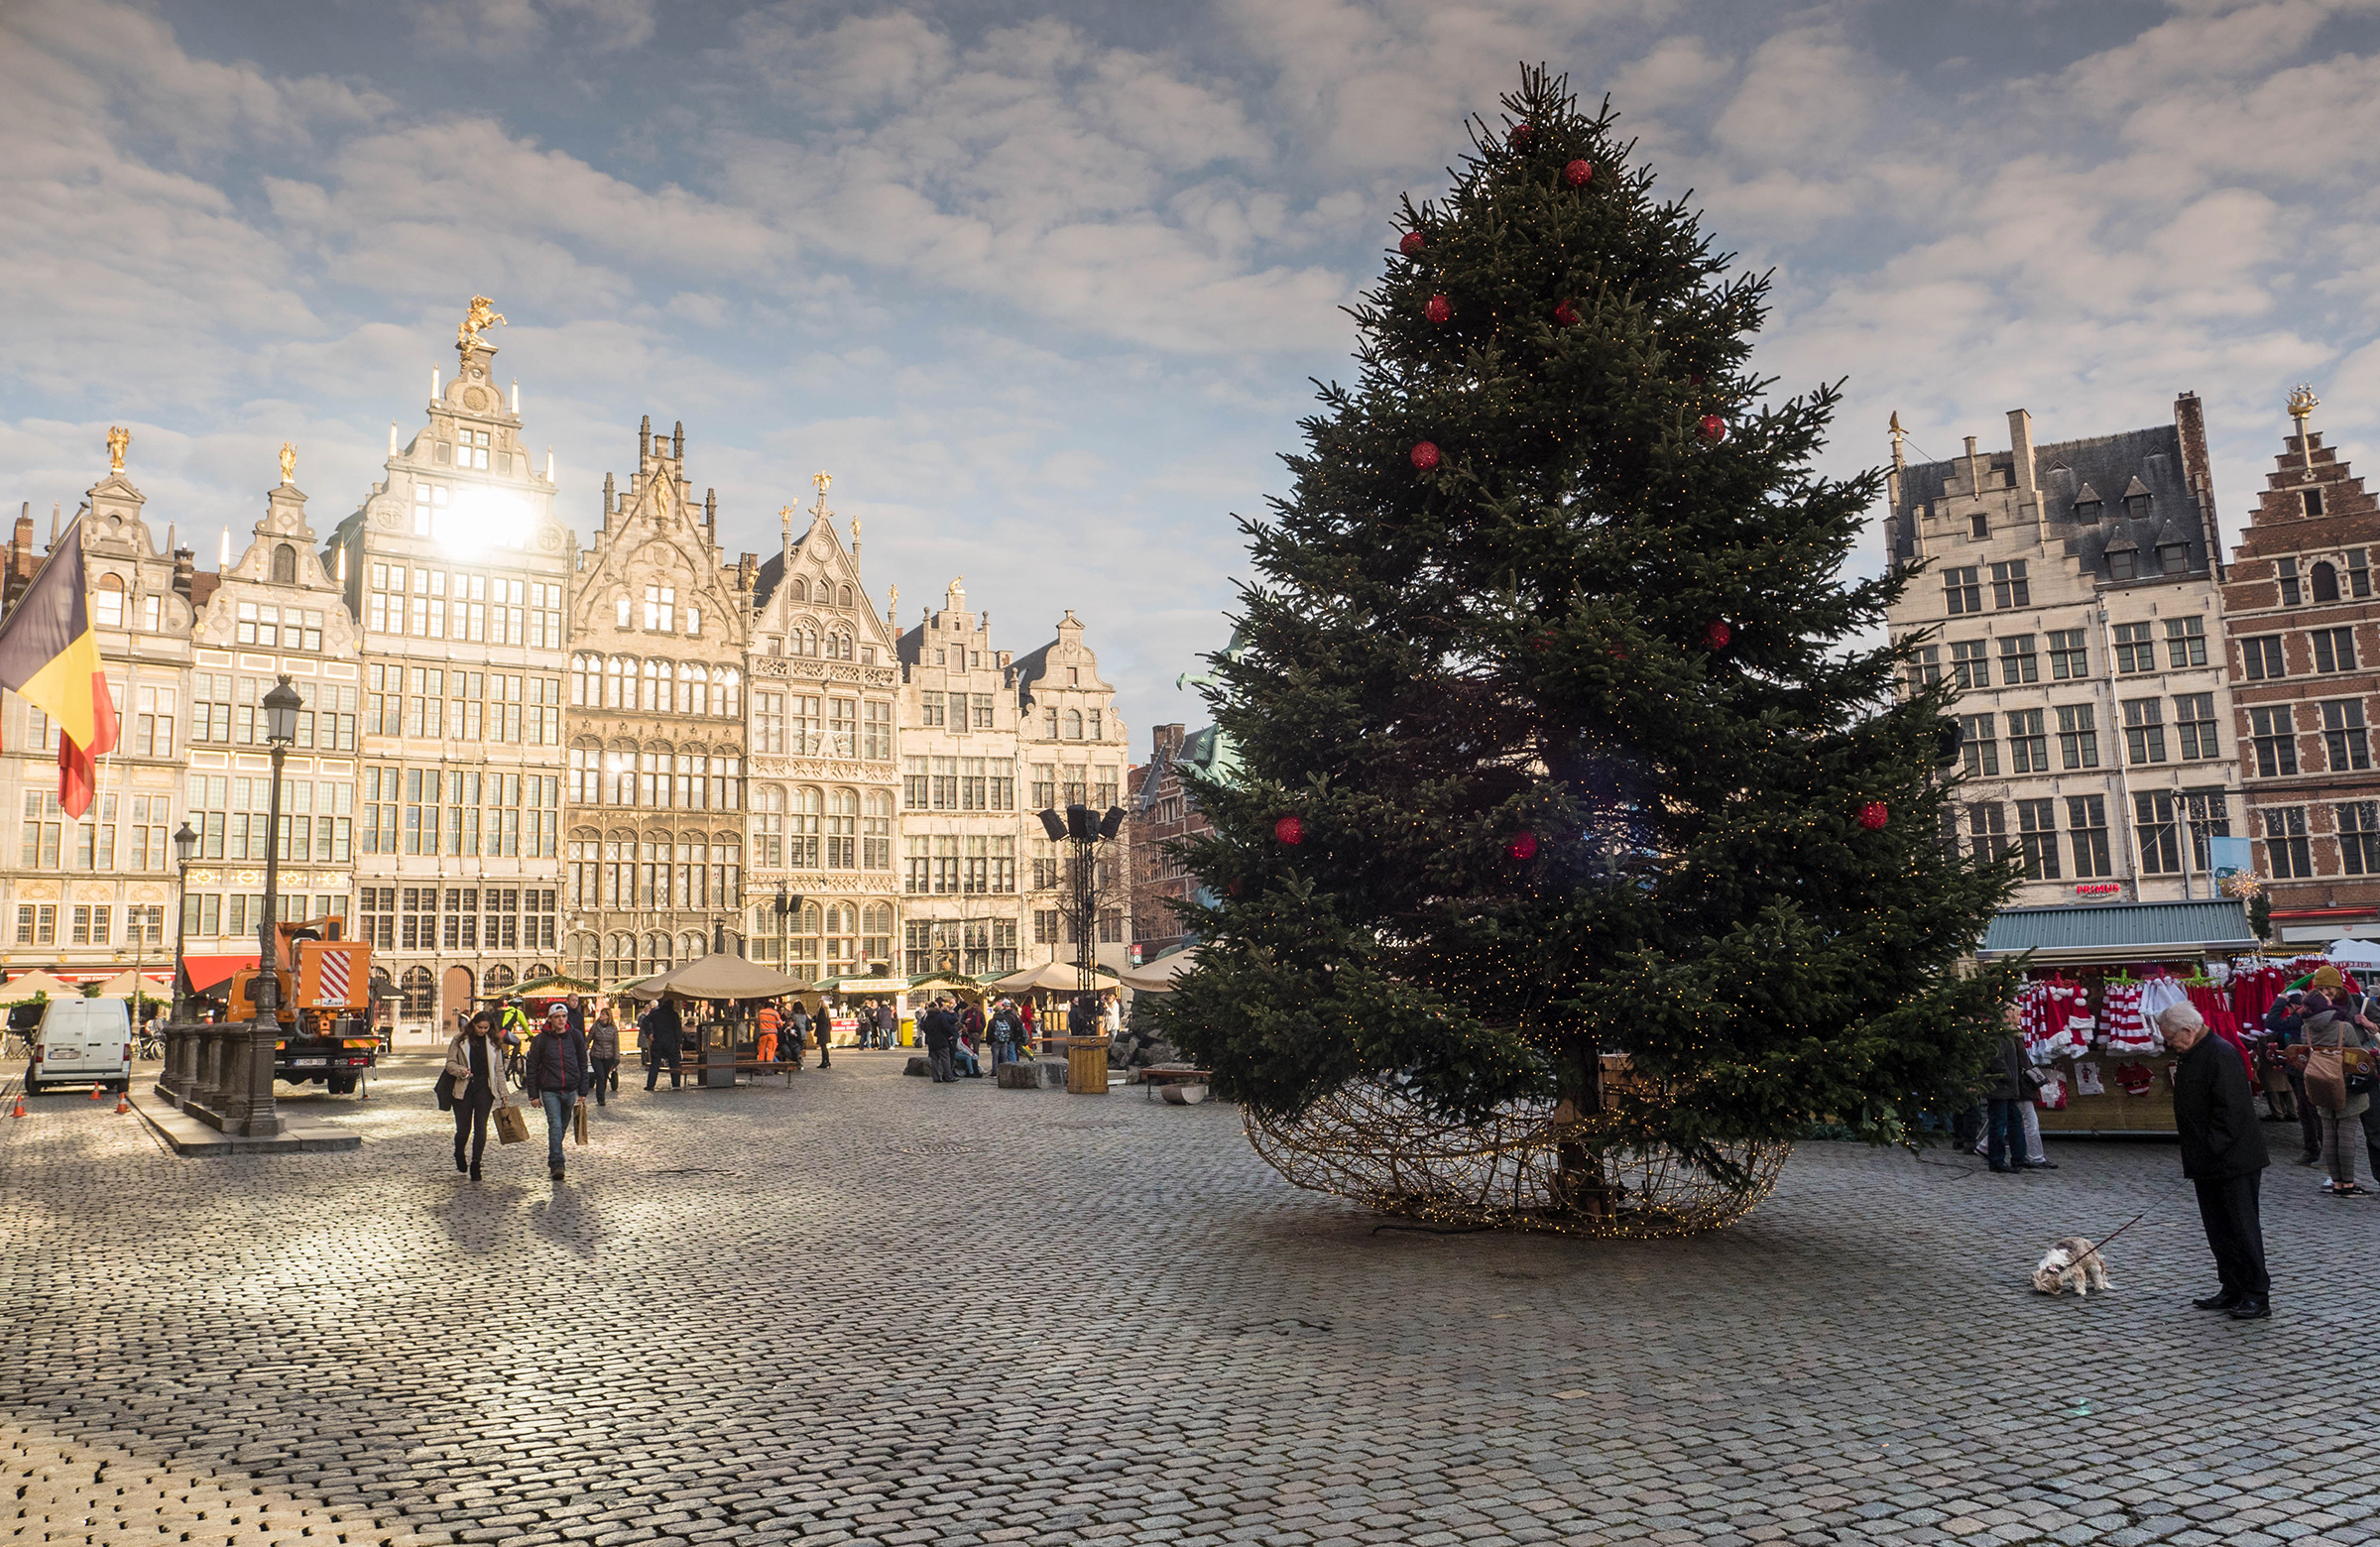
point(2050, 1093)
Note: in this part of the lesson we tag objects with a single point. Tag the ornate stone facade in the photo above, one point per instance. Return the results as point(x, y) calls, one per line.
point(276, 611)
point(660, 628)
point(96, 897)
point(1071, 750)
point(457, 568)
point(824, 783)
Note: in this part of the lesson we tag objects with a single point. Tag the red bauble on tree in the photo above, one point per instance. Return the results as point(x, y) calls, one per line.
point(1576, 174)
point(1439, 308)
point(1425, 456)
point(1522, 134)
point(1290, 830)
point(1412, 245)
point(1717, 634)
point(1565, 314)
point(1873, 815)
point(1713, 426)
point(1523, 845)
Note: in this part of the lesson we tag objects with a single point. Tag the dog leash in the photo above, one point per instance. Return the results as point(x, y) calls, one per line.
point(2154, 1205)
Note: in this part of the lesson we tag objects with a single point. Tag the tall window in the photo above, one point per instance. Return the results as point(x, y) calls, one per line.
point(1074, 725)
point(2018, 663)
point(1988, 829)
point(2037, 838)
point(2209, 814)
point(2194, 716)
point(802, 828)
point(768, 722)
point(2158, 835)
point(2008, 585)
point(2263, 656)
point(875, 731)
point(1961, 591)
point(2285, 570)
point(2360, 837)
point(2069, 657)
point(2333, 650)
point(1970, 667)
point(768, 826)
point(2144, 729)
point(875, 831)
point(108, 600)
point(418, 987)
point(2326, 582)
point(2185, 642)
point(2343, 735)
point(660, 609)
point(2276, 741)
point(2086, 827)
point(843, 829)
point(2134, 651)
point(2359, 574)
point(2286, 849)
point(2077, 737)
point(2028, 743)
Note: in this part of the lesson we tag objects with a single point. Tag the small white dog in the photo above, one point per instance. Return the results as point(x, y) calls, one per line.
point(2073, 1263)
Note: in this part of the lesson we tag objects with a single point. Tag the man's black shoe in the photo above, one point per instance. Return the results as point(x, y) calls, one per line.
point(2252, 1309)
point(2040, 1166)
point(2003, 1169)
point(2218, 1302)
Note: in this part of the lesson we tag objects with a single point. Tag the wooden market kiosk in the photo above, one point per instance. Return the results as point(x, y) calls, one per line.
point(2096, 944)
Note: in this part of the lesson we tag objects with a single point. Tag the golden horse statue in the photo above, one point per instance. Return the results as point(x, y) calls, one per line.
point(482, 316)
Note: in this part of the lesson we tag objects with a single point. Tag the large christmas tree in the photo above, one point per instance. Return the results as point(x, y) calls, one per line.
point(1561, 733)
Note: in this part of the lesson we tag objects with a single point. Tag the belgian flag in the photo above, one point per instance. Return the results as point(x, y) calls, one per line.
point(50, 657)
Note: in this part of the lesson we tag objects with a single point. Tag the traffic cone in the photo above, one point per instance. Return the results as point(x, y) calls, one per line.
point(20, 1112)
point(123, 1103)
point(97, 1092)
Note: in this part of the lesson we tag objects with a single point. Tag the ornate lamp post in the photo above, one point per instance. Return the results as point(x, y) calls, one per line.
point(257, 1115)
point(185, 849)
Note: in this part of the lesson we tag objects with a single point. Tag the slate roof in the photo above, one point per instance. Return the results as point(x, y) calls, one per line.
point(2137, 461)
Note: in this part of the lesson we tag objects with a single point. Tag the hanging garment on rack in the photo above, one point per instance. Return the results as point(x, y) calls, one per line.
point(2086, 1079)
point(2049, 1096)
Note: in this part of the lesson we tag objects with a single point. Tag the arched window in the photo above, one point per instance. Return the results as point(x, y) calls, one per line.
point(499, 978)
point(623, 693)
point(731, 695)
point(691, 689)
point(618, 959)
point(801, 829)
point(694, 946)
point(768, 826)
point(579, 685)
point(801, 589)
point(1074, 725)
point(656, 691)
point(585, 956)
point(620, 769)
point(875, 935)
point(843, 829)
point(839, 647)
point(416, 987)
point(2325, 583)
point(843, 596)
point(656, 953)
point(284, 564)
point(802, 945)
point(806, 642)
point(109, 599)
point(841, 939)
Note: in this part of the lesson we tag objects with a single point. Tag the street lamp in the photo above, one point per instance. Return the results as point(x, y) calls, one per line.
point(185, 849)
point(1083, 830)
point(280, 732)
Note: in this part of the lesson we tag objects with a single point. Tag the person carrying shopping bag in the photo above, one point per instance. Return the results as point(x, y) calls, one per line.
point(475, 1071)
point(558, 1073)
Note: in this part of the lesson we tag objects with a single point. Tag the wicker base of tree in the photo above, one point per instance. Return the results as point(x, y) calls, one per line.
point(1368, 1143)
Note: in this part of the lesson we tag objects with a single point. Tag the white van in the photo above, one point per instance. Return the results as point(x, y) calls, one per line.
point(82, 1041)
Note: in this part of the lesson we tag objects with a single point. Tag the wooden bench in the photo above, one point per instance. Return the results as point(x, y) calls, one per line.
point(750, 1066)
point(1154, 1080)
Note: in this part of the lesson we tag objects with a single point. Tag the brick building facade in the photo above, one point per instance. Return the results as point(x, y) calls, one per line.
point(2303, 638)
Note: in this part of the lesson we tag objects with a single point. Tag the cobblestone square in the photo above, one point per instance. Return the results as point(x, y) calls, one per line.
point(871, 1309)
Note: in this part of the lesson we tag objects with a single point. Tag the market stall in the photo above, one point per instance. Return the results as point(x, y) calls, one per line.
point(2095, 979)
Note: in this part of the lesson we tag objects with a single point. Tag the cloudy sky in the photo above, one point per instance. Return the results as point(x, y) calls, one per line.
point(1043, 286)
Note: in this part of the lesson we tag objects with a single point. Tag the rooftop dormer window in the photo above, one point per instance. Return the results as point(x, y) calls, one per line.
point(2137, 499)
point(2313, 501)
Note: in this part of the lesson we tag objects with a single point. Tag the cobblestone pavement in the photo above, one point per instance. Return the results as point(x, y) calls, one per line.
point(870, 1309)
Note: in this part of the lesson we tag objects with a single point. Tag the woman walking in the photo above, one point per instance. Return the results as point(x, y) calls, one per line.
point(603, 1045)
point(475, 1059)
point(2331, 1032)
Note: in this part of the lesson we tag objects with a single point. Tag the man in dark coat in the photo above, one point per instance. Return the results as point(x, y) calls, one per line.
point(2005, 1137)
point(2223, 1152)
point(558, 1072)
point(941, 1029)
point(661, 1032)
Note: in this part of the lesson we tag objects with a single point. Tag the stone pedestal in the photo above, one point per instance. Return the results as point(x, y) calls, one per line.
point(1019, 1077)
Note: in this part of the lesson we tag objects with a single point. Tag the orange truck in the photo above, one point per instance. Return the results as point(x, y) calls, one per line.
point(326, 1014)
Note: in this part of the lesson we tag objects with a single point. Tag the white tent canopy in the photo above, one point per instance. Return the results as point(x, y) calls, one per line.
point(2355, 953)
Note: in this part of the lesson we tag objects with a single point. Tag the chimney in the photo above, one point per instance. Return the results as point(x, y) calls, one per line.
point(185, 565)
point(2020, 442)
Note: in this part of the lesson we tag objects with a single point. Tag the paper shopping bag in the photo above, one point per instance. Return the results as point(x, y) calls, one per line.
point(578, 1122)
point(511, 1126)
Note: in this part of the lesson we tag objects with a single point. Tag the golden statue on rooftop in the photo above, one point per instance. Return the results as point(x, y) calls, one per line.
point(288, 463)
point(482, 316)
point(2303, 402)
point(118, 437)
